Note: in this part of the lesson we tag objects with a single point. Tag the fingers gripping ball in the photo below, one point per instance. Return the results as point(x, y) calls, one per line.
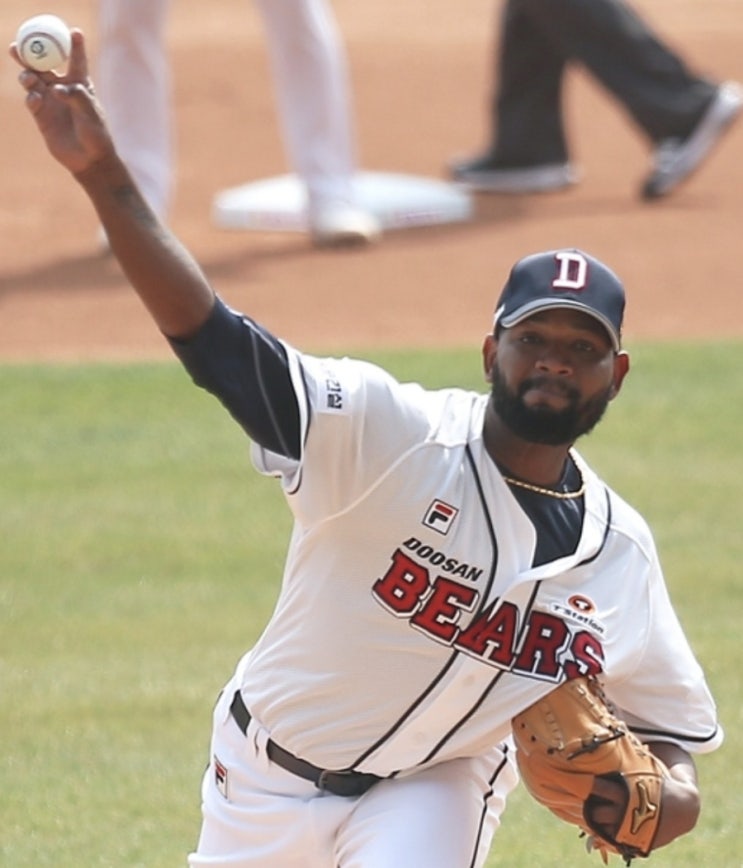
point(583, 763)
point(43, 42)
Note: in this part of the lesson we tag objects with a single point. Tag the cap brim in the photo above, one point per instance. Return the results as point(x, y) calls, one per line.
point(527, 310)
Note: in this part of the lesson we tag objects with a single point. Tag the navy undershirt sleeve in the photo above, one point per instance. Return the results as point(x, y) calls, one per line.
point(247, 369)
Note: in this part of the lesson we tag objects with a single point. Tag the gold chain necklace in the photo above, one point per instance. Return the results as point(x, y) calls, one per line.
point(550, 492)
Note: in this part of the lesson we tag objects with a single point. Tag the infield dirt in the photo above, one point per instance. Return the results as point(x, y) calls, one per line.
point(421, 82)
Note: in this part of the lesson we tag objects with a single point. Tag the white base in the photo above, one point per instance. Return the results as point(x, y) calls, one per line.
point(398, 202)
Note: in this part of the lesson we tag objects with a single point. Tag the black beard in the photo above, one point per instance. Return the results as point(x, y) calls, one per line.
point(541, 424)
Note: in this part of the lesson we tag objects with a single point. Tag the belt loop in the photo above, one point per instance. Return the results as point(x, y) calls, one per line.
point(240, 712)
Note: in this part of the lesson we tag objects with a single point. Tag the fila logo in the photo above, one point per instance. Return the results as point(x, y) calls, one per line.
point(221, 780)
point(573, 271)
point(440, 516)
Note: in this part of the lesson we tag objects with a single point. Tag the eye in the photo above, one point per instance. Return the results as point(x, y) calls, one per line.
point(584, 347)
point(530, 338)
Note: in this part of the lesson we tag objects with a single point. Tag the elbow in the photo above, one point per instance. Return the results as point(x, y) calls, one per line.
point(680, 810)
point(691, 812)
point(680, 798)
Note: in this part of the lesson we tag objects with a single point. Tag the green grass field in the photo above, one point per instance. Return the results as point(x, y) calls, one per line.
point(141, 555)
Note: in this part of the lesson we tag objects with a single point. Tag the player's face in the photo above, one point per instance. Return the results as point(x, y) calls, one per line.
point(553, 376)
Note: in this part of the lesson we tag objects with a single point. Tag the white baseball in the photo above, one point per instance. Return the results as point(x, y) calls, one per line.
point(43, 42)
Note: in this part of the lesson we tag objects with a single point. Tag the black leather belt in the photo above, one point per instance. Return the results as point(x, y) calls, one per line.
point(344, 783)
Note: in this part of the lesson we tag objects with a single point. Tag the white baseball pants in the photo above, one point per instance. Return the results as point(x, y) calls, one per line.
point(258, 814)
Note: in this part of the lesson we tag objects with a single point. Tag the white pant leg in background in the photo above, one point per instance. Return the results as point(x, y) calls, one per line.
point(133, 81)
point(257, 815)
point(313, 95)
point(433, 819)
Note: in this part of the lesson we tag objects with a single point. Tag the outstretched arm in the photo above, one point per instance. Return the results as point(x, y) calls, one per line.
point(244, 365)
point(165, 276)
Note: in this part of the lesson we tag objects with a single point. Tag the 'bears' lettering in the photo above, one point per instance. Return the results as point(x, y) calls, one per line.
point(436, 606)
point(492, 635)
point(546, 636)
point(401, 588)
point(442, 609)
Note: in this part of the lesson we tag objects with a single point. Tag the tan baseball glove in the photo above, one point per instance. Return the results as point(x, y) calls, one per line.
point(579, 760)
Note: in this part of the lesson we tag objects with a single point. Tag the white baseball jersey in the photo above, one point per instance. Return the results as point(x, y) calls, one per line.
point(411, 625)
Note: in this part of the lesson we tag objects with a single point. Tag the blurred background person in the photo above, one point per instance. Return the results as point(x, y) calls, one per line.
point(310, 74)
point(682, 114)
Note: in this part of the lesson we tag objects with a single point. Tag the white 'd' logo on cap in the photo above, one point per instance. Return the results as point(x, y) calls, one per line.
point(573, 271)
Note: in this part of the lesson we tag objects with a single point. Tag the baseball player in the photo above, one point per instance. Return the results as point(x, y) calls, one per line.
point(682, 114)
point(311, 79)
point(453, 557)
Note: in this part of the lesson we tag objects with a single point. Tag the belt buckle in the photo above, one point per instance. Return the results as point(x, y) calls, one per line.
point(325, 784)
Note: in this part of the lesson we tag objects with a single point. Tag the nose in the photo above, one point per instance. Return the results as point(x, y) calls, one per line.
point(554, 360)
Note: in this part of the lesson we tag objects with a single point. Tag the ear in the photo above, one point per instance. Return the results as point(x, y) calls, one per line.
point(621, 369)
point(489, 349)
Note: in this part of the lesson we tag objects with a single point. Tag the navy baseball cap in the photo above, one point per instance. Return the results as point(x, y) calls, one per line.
point(563, 279)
